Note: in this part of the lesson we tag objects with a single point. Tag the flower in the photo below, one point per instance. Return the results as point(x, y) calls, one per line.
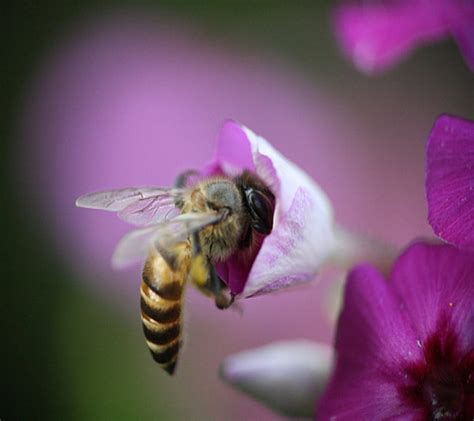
point(450, 180)
point(287, 376)
point(302, 237)
point(376, 35)
point(405, 348)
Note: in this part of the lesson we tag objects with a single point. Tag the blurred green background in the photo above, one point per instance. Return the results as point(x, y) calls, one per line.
point(69, 353)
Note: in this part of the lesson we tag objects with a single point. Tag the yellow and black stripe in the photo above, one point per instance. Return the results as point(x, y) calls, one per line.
point(161, 303)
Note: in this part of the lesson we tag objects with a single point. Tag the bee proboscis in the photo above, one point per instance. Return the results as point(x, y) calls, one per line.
point(187, 231)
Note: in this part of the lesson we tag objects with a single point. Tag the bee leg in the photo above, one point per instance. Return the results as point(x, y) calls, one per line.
point(219, 290)
point(182, 179)
point(206, 278)
point(199, 271)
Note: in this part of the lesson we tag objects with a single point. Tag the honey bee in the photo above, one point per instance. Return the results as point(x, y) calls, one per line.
point(188, 230)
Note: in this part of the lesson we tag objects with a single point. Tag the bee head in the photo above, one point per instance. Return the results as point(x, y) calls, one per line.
point(223, 196)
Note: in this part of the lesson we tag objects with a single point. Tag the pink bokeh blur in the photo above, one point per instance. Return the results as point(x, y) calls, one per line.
point(134, 100)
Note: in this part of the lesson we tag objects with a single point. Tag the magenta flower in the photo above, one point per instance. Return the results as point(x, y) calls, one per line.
point(377, 34)
point(405, 348)
point(450, 180)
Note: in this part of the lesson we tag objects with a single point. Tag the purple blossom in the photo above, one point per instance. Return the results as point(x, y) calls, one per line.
point(450, 180)
point(377, 34)
point(405, 348)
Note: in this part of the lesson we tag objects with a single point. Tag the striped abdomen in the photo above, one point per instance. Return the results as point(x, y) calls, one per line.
point(161, 304)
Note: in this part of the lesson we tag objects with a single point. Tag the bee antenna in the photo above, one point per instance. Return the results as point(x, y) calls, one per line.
point(196, 244)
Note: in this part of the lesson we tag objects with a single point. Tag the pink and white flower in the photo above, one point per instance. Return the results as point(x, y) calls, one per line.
point(303, 231)
point(287, 376)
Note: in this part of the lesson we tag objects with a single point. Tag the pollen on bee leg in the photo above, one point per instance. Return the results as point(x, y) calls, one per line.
point(199, 272)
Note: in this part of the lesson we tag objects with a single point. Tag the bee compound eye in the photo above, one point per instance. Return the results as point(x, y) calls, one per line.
point(262, 206)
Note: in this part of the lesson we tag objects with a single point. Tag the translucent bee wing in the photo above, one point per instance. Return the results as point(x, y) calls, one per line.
point(136, 205)
point(151, 210)
point(180, 228)
point(136, 245)
point(118, 199)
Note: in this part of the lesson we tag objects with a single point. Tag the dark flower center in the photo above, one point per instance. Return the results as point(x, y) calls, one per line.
point(442, 384)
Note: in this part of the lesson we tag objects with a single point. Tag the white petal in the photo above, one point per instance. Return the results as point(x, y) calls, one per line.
point(289, 377)
point(302, 236)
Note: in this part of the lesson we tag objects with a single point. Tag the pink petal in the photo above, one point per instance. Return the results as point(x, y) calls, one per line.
point(383, 326)
point(377, 35)
point(460, 15)
point(464, 36)
point(233, 152)
point(236, 270)
point(436, 283)
point(450, 180)
point(372, 338)
point(289, 255)
point(302, 236)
